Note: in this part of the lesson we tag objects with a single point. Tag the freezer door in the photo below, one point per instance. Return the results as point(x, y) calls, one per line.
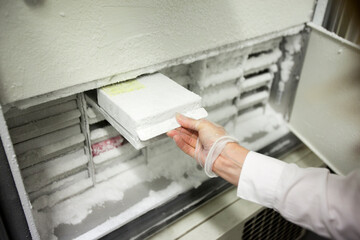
point(326, 110)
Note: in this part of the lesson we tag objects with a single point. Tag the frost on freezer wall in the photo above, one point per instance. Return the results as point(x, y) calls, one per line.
point(61, 46)
point(236, 80)
point(165, 160)
point(75, 209)
point(178, 73)
point(255, 129)
point(292, 46)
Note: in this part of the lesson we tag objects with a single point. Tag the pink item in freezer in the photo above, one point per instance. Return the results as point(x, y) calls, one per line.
point(106, 145)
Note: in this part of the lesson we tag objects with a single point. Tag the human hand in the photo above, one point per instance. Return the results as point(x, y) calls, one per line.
point(196, 133)
point(204, 133)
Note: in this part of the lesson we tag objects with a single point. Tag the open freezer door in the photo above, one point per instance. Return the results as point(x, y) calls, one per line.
point(326, 110)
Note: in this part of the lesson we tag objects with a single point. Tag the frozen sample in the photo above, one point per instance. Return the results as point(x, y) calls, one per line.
point(106, 145)
point(146, 106)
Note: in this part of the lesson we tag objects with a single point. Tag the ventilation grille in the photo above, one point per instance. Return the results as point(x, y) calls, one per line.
point(49, 145)
point(269, 224)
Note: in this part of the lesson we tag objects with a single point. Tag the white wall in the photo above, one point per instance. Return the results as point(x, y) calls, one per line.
point(57, 44)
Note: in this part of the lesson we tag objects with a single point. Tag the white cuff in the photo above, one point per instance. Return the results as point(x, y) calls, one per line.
point(259, 179)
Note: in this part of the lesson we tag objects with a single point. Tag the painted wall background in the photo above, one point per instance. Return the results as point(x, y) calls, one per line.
point(50, 45)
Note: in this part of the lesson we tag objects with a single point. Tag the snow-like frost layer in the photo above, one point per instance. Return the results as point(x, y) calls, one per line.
point(55, 169)
point(221, 113)
point(292, 46)
point(221, 77)
point(220, 94)
point(154, 199)
point(257, 81)
point(252, 100)
point(263, 121)
point(77, 208)
point(166, 160)
point(108, 131)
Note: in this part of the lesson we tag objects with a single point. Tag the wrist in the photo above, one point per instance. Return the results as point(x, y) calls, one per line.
point(229, 163)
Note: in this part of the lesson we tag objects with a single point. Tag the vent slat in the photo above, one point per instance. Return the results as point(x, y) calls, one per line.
point(41, 127)
point(41, 114)
point(221, 113)
point(111, 169)
point(61, 195)
point(220, 78)
point(59, 185)
point(47, 139)
point(14, 112)
point(54, 170)
point(262, 61)
point(266, 46)
point(256, 81)
point(45, 165)
point(252, 100)
point(216, 95)
point(42, 154)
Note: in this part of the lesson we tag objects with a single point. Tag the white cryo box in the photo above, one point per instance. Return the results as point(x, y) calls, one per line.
point(77, 177)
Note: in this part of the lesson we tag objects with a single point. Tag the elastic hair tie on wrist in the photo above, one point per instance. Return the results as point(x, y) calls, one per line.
point(197, 152)
point(214, 153)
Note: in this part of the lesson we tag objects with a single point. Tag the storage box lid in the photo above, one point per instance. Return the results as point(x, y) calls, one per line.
point(146, 106)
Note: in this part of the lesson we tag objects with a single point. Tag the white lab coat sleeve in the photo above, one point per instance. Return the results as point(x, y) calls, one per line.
point(325, 203)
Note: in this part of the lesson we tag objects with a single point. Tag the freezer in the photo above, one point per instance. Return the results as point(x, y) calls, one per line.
point(84, 149)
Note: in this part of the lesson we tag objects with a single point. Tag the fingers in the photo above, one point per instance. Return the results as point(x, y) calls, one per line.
point(189, 139)
point(188, 136)
point(171, 133)
point(191, 133)
point(186, 148)
point(181, 130)
point(188, 122)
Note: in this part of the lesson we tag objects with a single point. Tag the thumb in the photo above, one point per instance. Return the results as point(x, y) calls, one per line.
point(188, 122)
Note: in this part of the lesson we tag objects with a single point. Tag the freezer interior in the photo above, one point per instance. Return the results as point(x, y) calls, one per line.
point(85, 180)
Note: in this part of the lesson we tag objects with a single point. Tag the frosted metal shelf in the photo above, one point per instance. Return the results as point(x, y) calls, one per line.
point(91, 99)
